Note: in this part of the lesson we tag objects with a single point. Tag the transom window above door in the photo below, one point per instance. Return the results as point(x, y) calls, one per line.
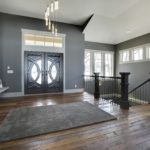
point(32, 39)
point(38, 40)
point(99, 61)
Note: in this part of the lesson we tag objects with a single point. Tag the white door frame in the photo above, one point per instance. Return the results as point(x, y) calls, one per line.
point(41, 49)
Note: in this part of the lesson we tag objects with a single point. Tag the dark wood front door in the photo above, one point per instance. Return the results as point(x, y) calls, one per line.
point(43, 72)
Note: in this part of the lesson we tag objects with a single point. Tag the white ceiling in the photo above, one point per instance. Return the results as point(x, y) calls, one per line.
point(114, 21)
point(132, 23)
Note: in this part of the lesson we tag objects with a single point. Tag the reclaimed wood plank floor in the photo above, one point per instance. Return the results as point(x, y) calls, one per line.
point(131, 130)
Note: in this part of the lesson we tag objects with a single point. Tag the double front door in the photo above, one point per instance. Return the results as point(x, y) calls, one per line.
point(43, 72)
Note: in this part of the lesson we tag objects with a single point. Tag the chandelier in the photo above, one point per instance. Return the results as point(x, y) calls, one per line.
point(50, 16)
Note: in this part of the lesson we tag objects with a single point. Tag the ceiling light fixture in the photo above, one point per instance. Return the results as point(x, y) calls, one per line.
point(51, 16)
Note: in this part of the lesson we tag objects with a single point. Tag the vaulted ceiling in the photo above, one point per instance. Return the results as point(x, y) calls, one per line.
point(114, 21)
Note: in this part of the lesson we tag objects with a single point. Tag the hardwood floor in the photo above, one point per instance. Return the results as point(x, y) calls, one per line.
point(131, 130)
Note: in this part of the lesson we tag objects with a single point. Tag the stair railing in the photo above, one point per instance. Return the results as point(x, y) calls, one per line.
point(140, 94)
point(109, 88)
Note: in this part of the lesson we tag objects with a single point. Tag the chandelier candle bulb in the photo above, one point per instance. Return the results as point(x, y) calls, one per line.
point(56, 3)
point(46, 19)
point(49, 25)
point(53, 28)
point(56, 31)
point(52, 7)
point(48, 11)
point(50, 16)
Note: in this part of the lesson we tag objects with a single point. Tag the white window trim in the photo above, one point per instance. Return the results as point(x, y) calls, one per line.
point(145, 54)
point(42, 49)
point(103, 62)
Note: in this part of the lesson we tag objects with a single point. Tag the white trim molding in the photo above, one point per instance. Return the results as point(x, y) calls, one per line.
point(67, 91)
point(11, 94)
point(20, 94)
point(42, 49)
point(145, 56)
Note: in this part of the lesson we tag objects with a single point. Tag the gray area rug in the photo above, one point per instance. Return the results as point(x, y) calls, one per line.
point(32, 121)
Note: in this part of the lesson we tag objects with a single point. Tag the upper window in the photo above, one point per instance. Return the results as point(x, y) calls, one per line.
point(137, 54)
point(124, 56)
point(98, 61)
point(148, 52)
point(47, 41)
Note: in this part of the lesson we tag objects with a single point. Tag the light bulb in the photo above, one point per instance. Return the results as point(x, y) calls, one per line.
point(53, 28)
point(48, 11)
point(56, 5)
point(52, 7)
point(56, 31)
point(46, 18)
point(49, 25)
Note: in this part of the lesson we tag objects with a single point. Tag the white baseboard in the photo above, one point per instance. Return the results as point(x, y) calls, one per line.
point(12, 94)
point(139, 101)
point(20, 94)
point(67, 91)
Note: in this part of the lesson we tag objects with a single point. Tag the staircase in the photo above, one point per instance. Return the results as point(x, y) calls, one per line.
point(115, 90)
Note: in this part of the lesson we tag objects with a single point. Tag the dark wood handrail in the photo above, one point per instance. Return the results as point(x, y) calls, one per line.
point(148, 80)
point(102, 77)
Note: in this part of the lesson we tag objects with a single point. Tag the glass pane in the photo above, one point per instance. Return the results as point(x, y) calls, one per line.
point(34, 72)
point(29, 39)
point(148, 52)
point(87, 63)
point(125, 56)
point(54, 72)
point(138, 54)
point(39, 40)
point(48, 77)
point(98, 63)
point(108, 64)
point(58, 42)
point(48, 41)
point(39, 81)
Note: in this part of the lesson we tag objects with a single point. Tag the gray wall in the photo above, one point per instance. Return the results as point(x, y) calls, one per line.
point(99, 46)
point(10, 49)
point(140, 70)
point(0, 50)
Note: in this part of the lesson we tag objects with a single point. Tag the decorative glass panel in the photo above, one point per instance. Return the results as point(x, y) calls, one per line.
point(54, 72)
point(36, 72)
point(49, 77)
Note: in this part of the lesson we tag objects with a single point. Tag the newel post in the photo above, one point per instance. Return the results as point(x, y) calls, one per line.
point(124, 104)
point(97, 88)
